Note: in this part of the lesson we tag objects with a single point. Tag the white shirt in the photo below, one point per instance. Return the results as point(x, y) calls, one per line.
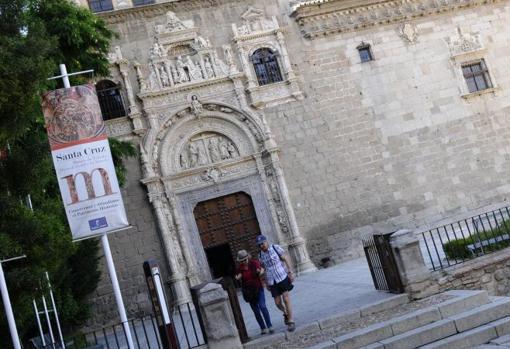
point(270, 259)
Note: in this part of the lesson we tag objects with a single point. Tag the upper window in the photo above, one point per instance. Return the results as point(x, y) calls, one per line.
point(142, 2)
point(266, 66)
point(100, 5)
point(365, 52)
point(110, 100)
point(477, 76)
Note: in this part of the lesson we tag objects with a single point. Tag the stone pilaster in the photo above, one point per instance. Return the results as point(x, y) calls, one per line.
point(296, 243)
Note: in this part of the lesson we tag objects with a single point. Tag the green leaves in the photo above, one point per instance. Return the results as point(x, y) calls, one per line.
point(36, 36)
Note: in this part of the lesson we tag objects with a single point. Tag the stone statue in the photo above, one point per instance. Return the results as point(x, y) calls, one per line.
point(165, 80)
point(184, 161)
point(232, 151)
point(193, 154)
point(214, 152)
point(196, 106)
point(195, 73)
point(200, 42)
point(209, 71)
point(223, 147)
point(220, 66)
point(182, 75)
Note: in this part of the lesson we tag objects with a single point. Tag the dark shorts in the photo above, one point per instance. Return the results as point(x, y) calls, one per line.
point(281, 287)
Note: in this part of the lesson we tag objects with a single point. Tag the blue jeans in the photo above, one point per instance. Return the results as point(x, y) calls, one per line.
point(260, 307)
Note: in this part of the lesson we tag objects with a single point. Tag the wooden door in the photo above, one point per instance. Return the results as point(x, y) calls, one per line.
point(226, 225)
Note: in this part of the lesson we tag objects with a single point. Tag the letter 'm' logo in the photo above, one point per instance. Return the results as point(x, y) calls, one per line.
point(89, 185)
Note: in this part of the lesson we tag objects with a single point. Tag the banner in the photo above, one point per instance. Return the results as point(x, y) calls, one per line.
point(83, 161)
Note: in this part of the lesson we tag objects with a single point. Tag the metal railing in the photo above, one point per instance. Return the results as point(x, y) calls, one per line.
point(144, 331)
point(457, 242)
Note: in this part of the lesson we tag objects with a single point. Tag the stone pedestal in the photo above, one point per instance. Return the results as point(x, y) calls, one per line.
point(218, 319)
point(415, 276)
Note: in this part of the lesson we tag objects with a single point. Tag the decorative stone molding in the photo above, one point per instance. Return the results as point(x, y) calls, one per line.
point(255, 32)
point(326, 17)
point(409, 32)
point(119, 127)
point(180, 58)
point(158, 9)
point(464, 44)
point(466, 48)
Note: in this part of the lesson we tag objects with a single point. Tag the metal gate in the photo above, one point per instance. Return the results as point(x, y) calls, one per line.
point(381, 262)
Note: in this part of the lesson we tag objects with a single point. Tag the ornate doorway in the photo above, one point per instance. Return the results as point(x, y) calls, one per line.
point(226, 225)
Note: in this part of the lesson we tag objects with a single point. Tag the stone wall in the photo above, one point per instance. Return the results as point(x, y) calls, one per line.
point(391, 140)
point(388, 140)
point(130, 248)
point(490, 272)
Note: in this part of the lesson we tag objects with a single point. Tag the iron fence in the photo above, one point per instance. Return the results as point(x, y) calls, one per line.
point(145, 333)
point(457, 242)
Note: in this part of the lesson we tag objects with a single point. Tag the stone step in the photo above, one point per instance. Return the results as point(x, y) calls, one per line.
point(389, 330)
point(495, 332)
point(279, 339)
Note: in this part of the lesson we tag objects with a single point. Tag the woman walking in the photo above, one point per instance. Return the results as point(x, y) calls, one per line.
point(249, 272)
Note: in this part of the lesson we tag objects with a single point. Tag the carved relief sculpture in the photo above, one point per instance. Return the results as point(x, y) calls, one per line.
point(165, 80)
point(195, 73)
point(207, 148)
point(209, 72)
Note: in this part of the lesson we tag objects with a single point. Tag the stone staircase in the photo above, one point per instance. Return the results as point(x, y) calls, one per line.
point(451, 320)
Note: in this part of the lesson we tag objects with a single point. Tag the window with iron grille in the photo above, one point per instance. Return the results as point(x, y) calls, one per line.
point(110, 100)
point(365, 52)
point(100, 5)
point(142, 2)
point(266, 66)
point(477, 76)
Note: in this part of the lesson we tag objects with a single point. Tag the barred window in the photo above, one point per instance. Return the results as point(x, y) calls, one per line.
point(142, 2)
point(365, 52)
point(266, 66)
point(477, 76)
point(110, 100)
point(100, 5)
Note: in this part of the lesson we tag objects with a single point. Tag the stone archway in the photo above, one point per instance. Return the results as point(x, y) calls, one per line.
point(205, 152)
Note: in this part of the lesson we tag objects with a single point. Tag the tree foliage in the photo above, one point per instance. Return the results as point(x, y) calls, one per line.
point(35, 36)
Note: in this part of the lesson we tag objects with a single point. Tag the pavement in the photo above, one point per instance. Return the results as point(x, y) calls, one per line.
point(321, 294)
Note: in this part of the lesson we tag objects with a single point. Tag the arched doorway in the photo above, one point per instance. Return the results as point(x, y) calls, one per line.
point(226, 225)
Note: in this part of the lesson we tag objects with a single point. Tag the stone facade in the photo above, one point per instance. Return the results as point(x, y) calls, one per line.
point(333, 148)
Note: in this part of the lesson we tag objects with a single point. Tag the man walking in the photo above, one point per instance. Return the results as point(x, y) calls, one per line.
point(278, 277)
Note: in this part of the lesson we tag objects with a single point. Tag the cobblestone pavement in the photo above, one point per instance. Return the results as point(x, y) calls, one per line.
point(321, 294)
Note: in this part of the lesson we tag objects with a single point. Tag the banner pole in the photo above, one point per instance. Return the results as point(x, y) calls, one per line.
point(116, 290)
point(8, 310)
point(65, 76)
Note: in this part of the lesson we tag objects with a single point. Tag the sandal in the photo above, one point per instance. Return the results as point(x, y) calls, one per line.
point(291, 326)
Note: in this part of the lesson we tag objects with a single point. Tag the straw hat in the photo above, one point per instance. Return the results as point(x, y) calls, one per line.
point(242, 255)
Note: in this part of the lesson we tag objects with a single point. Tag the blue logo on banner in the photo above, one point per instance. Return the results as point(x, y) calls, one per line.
point(98, 223)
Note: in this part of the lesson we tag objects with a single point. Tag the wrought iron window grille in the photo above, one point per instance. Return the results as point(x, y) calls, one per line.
point(110, 100)
point(365, 52)
point(477, 76)
point(100, 5)
point(266, 66)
